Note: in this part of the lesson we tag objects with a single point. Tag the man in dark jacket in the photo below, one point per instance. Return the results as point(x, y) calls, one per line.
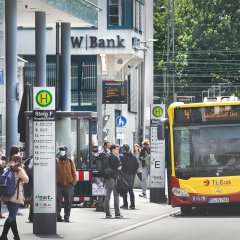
point(111, 182)
point(129, 169)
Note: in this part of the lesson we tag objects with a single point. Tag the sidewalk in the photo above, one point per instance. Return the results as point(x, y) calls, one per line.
point(86, 223)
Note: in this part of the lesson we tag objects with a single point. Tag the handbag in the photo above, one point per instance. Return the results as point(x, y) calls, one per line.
point(122, 185)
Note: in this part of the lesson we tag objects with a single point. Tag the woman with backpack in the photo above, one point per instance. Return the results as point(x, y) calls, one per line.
point(13, 202)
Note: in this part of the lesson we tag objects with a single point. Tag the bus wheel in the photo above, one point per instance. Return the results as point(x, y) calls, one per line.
point(186, 210)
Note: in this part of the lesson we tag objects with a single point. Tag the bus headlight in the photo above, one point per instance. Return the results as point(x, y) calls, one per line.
point(180, 192)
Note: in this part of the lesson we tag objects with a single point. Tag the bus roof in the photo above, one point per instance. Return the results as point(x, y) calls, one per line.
point(210, 101)
point(202, 104)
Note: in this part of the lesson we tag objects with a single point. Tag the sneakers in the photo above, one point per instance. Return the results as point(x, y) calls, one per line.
point(108, 215)
point(144, 195)
point(118, 216)
point(132, 207)
point(66, 219)
point(124, 206)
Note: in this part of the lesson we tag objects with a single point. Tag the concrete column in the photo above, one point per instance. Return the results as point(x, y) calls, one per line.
point(43, 222)
point(63, 136)
point(65, 83)
point(11, 73)
point(40, 46)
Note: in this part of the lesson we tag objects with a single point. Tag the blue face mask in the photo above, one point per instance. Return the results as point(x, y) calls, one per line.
point(62, 153)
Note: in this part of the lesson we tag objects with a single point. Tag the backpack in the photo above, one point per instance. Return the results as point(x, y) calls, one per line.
point(7, 183)
point(102, 165)
point(103, 156)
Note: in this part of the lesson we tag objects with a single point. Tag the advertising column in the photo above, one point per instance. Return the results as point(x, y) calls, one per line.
point(157, 169)
point(44, 181)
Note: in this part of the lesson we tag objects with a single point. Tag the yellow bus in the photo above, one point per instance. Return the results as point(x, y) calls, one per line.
point(202, 153)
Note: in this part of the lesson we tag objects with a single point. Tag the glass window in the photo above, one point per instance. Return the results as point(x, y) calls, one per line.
point(84, 84)
point(138, 16)
point(117, 12)
point(207, 151)
point(133, 84)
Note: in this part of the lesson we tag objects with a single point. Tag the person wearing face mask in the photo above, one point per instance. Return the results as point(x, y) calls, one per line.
point(66, 180)
point(95, 153)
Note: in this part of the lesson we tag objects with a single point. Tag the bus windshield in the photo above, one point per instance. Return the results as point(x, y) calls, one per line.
point(207, 150)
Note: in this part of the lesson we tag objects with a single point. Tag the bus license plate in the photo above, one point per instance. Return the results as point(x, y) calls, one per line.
point(219, 200)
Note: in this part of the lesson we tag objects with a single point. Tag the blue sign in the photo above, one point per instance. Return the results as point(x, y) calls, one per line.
point(1, 77)
point(121, 121)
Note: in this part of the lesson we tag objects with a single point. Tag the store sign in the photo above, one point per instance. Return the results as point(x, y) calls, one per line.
point(44, 150)
point(94, 42)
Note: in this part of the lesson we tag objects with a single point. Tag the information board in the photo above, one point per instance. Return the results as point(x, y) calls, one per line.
point(44, 150)
point(207, 114)
point(114, 92)
point(157, 170)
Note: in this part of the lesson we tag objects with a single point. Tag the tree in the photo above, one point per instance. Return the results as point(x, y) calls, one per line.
point(206, 44)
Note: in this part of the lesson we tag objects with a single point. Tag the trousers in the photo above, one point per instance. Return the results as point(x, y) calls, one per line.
point(65, 192)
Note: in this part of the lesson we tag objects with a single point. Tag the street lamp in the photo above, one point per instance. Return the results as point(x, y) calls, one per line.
point(143, 46)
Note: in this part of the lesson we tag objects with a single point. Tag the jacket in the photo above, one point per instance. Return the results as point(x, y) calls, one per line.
point(129, 163)
point(18, 197)
point(66, 171)
point(145, 153)
point(114, 164)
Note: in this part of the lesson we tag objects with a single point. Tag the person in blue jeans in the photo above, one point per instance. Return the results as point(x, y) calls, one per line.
point(14, 201)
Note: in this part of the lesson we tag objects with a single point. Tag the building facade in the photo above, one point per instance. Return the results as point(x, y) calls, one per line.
point(111, 41)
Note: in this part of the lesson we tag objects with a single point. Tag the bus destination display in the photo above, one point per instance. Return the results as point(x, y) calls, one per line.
point(114, 92)
point(207, 114)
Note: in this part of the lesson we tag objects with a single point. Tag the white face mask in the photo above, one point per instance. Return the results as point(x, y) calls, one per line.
point(62, 153)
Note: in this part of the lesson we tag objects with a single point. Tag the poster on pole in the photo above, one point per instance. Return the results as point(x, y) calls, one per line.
point(157, 169)
point(44, 150)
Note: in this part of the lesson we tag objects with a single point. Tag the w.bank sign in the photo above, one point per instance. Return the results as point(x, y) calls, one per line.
point(95, 42)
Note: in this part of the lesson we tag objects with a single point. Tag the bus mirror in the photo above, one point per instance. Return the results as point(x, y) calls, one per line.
point(161, 129)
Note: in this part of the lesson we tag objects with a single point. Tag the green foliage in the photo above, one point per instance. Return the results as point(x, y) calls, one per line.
point(206, 46)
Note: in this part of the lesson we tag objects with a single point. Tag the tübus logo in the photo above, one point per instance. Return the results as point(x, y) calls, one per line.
point(207, 182)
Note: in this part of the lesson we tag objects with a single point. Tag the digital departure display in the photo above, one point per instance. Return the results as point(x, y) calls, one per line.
point(207, 114)
point(114, 92)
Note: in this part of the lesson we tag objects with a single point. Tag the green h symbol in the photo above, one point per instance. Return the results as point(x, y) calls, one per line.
point(42, 98)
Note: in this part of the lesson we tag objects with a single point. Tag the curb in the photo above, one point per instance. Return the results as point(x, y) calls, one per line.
point(134, 226)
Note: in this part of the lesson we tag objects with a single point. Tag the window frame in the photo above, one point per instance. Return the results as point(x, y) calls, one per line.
point(128, 15)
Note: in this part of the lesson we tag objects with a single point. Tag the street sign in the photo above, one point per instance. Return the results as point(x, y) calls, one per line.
point(121, 129)
point(157, 111)
point(121, 121)
point(44, 98)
